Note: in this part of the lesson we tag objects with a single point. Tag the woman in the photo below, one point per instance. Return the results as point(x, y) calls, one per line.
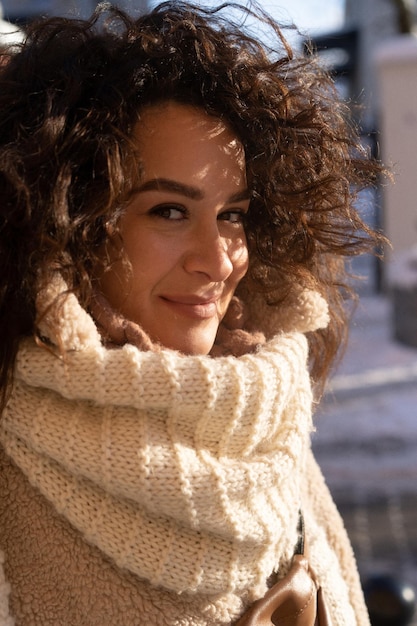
point(177, 201)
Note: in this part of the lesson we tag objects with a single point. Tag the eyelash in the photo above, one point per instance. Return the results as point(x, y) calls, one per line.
point(241, 215)
point(162, 210)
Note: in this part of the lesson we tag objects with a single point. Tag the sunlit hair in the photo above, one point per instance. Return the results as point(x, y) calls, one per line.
point(69, 101)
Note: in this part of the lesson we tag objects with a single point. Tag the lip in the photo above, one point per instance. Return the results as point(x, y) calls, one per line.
point(193, 306)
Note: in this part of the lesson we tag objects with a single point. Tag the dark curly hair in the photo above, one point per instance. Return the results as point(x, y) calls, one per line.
point(69, 101)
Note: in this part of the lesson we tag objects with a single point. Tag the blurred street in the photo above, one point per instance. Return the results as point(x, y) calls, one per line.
point(366, 443)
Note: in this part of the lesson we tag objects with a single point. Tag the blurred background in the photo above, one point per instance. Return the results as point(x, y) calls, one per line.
point(366, 437)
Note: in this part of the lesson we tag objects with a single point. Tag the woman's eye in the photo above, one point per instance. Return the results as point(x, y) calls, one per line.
point(169, 211)
point(234, 217)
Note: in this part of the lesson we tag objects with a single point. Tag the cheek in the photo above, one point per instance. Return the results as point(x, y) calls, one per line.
point(240, 258)
point(143, 249)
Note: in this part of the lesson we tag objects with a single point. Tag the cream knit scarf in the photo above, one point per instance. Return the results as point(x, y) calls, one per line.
point(184, 470)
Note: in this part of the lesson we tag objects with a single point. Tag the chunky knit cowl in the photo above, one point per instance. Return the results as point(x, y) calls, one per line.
point(185, 470)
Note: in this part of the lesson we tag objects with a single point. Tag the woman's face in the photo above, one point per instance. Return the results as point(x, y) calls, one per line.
point(183, 229)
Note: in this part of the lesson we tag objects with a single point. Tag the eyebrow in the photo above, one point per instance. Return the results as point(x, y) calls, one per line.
point(194, 193)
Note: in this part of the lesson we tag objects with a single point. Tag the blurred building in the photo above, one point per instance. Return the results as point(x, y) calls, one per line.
point(384, 80)
point(374, 62)
point(375, 21)
point(22, 11)
point(10, 34)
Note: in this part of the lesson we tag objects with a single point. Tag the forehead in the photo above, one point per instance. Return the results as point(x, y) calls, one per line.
point(170, 115)
point(173, 136)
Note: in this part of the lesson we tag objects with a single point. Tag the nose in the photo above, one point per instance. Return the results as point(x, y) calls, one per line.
point(209, 253)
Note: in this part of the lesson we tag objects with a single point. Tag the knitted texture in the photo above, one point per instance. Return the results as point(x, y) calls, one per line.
point(187, 471)
point(151, 436)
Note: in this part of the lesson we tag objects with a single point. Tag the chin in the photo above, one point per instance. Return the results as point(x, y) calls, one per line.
point(197, 349)
point(192, 346)
point(190, 340)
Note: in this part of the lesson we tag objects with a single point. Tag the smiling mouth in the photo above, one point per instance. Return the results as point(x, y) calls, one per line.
point(193, 307)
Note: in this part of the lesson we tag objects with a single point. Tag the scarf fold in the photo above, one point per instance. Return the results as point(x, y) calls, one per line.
point(186, 470)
